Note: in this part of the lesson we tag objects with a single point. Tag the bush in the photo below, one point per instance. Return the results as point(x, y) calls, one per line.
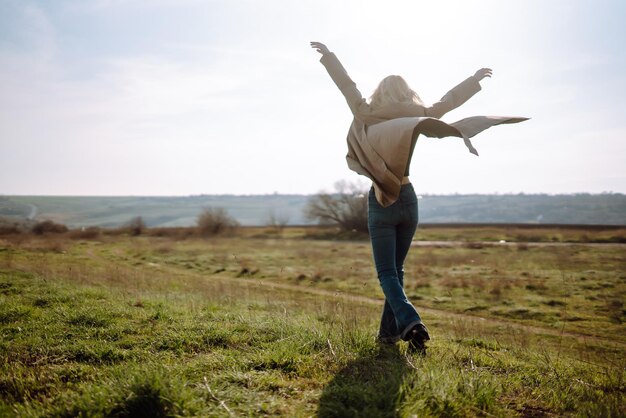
point(9, 229)
point(48, 227)
point(136, 226)
point(347, 207)
point(90, 232)
point(172, 232)
point(214, 221)
point(14, 226)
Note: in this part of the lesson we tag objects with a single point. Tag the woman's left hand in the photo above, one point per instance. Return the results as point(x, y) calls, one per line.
point(482, 73)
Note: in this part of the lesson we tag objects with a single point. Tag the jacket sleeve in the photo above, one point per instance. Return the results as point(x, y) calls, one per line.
point(358, 105)
point(454, 98)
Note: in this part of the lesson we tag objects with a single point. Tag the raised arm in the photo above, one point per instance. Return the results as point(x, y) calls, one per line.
point(358, 105)
point(458, 95)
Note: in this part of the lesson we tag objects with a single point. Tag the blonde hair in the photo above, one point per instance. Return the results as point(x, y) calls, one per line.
point(393, 89)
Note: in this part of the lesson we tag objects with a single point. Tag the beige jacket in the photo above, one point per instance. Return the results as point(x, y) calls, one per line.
point(380, 141)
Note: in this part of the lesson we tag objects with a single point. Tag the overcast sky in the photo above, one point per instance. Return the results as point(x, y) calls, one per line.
point(179, 97)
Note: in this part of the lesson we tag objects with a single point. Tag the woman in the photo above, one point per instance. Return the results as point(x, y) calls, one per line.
point(380, 144)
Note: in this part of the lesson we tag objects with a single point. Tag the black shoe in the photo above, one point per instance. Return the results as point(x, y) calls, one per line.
point(417, 337)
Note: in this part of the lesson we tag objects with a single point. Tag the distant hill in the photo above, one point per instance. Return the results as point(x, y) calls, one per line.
point(77, 211)
point(606, 209)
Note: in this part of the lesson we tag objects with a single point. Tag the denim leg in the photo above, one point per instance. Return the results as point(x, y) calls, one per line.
point(405, 231)
point(383, 226)
point(404, 237)
point(388, 328)
point(388, 331)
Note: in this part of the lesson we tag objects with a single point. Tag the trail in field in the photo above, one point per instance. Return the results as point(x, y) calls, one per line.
point(426, 311)
point(353, 298)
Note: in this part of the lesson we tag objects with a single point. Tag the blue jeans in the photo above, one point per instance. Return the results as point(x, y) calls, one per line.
point(391, 232)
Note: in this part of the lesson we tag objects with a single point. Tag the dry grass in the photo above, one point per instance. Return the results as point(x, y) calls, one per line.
point(490, 282)
point(305, 346)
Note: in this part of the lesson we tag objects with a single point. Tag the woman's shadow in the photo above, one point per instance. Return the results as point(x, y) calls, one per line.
point(366, 387)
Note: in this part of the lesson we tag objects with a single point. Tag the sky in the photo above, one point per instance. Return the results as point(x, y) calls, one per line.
point(186, 97)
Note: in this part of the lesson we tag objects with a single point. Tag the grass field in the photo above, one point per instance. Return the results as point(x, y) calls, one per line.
point(268, 323)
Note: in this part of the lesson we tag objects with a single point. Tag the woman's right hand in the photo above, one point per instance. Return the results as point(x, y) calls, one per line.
point(482, 73)
point(320, 47)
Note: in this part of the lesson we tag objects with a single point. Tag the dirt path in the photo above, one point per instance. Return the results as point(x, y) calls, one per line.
point(353, 298)
point(427, 311)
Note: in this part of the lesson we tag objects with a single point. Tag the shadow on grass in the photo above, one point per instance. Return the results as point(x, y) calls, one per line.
point(366, 387)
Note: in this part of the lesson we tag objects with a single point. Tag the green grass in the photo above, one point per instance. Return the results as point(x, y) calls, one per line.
point(576, 288)
point(145, 327)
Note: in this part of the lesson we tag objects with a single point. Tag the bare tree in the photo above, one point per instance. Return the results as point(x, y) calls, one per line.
point(277, 221)
point(214, 221)
point(347, 207)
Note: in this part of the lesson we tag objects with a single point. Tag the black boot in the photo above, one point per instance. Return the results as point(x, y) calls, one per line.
point(417, 338)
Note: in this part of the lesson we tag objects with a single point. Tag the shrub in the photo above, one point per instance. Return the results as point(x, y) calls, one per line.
point(9, 229)
point(90, 232)
point(136, 226)
point(48, 226)
point(172, 232)
point(214, 221)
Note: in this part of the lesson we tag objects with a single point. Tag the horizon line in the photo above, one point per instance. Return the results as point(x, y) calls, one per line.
point(314, 194)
